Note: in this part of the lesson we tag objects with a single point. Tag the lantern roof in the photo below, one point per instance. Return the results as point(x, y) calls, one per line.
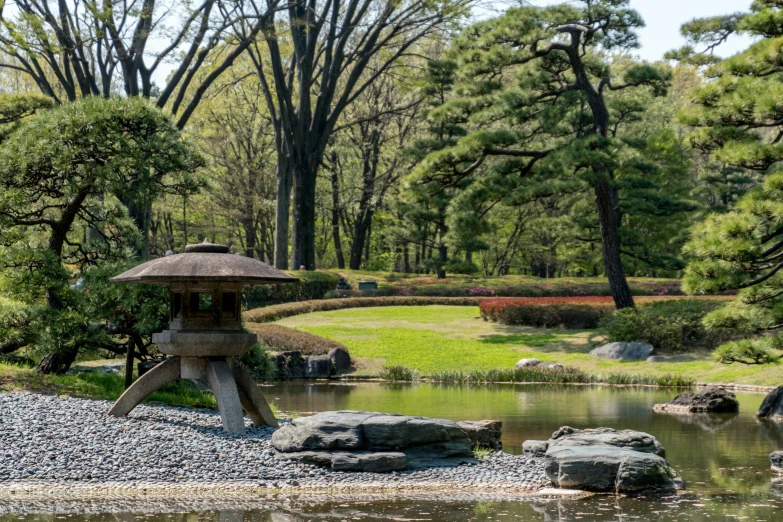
point(204, 262)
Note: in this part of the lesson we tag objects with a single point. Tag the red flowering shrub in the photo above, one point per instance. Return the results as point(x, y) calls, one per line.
point(548, 312)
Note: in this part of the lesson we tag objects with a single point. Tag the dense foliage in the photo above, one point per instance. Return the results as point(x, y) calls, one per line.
point(669, 326)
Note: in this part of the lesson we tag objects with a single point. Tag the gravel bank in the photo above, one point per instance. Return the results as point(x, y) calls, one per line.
point(51, 443)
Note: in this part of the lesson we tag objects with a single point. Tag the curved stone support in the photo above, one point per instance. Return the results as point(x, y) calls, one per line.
point(162, 374)
point(254, 402)
point(221, 380)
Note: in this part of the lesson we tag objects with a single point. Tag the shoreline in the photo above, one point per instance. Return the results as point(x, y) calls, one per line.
point(50, 444)
point(752, 388)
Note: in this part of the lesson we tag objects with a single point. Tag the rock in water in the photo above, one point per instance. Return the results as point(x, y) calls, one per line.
point(710, 400)
point(340, 358)
point(776, 459)
point(424, 442)
point(621, 351)
point(484, 433)
point(604, 459)
point(772, 406)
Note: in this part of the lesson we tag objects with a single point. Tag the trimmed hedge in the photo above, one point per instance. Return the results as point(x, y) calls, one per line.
point(283, 339)
point(273, 313)
point(313, 284)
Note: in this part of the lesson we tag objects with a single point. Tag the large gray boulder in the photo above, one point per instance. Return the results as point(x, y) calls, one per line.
point(622, 351)
point(424, 442)
point(710, 400)
point(604, 459)
point(772, 406)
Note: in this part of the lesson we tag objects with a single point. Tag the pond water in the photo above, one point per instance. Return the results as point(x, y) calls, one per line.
point(722, 458)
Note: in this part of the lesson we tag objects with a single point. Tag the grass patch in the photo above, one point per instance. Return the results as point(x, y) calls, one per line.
point(435, 339)
point(98, 385)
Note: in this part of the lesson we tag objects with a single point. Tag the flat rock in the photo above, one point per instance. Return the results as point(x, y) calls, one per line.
point(605, 459)
point(772, 406)
point(424, 441)
point(622, 351)
point(483, 433)
point(710, 400)
point(776, 459)
point(658, 358)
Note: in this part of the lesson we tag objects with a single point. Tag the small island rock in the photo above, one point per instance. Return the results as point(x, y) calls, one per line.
point(772, 406)
point(710, 400)
point(608, 460)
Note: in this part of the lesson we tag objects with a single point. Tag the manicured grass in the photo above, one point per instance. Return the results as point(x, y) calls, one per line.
point(452, 338)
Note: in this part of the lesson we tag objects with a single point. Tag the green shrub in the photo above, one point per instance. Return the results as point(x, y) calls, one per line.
point(258, 362)
point(747, 351)
point(565, 375)
point(672, 325)
point(313, 284)
point(556, 315)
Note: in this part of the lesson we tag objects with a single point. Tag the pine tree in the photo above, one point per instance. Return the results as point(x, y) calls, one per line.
point(534, 87)
point(739, 112)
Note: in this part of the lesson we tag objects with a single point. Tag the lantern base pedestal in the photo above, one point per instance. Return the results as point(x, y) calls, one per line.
point(233, 387)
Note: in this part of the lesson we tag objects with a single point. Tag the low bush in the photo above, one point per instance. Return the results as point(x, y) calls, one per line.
point(258, 362)
point(273, 313)
point(670, 325)
point(748, 351)
point(313, 284)
point(548, 312)
point(399, 374)
point(283, 339)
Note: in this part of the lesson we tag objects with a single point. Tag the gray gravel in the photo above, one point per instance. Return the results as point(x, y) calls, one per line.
point(47, 441)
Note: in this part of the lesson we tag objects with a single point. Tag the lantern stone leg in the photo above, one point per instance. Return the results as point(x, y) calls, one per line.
point(155, 379)
point(233, 387)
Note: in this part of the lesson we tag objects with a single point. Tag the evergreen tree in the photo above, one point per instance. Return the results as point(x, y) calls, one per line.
point(739, 113)
point(743, 250)
point(536, 85)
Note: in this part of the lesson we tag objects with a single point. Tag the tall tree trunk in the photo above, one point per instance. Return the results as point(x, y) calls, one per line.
point(303, 251)
point(338, 246)
point(140, 214)
point(610, 238)
point(282, 211)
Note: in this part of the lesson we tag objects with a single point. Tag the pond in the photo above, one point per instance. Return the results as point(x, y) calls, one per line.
point(722, 458)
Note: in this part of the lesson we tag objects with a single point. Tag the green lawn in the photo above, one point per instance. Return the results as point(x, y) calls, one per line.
point(438, 338)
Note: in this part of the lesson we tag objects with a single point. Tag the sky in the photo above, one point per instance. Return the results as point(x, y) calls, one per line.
point(664, 18)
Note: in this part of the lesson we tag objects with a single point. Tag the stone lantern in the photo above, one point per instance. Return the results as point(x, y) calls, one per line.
point(205, 329)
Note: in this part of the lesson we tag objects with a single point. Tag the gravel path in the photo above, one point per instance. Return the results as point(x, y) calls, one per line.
point(50, 442)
